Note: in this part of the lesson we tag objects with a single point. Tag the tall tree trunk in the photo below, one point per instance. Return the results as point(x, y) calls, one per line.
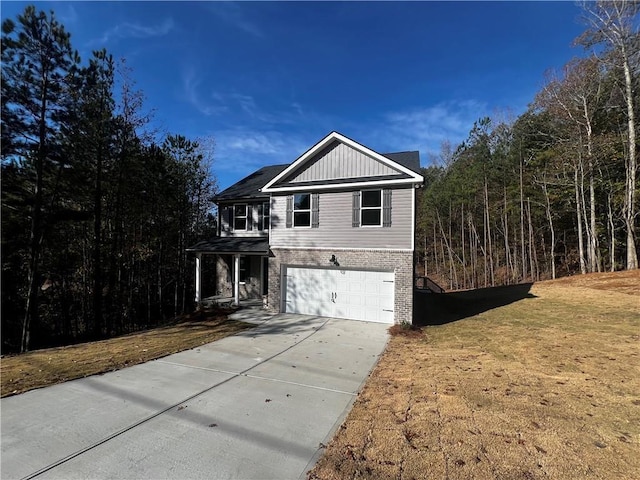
point(630, 193)
point(452, 268)
point(594, 253)
point(612, 234)
point(97, 248)
point(590, 253)
point(435, 249)
point(583, 266)
point(522, 243)
point(488, 223)
point(551, 229)
point(533, 256)
point(464, 260)
point(35, 238)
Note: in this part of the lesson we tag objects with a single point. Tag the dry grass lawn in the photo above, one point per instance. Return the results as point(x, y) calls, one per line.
point(20, 373)
point(515, 384)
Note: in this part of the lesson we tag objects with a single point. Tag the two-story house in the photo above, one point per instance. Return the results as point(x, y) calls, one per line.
point(331, 234)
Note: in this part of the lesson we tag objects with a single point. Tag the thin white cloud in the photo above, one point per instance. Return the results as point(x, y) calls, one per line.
point(425, 129)
point(136, 30)
point(234, 14)
point(68, 14)
point(241, 151)
point(251, 110)
point(191, 93)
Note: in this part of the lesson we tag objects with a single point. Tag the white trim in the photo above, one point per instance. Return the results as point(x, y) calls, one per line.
point(415, 177)
point(246, 217)
point(413, 219)
point(362, 207)
point(270, 225)
point(344, 249)
point(294, 211)
point(198, 286)
point(358, 185)
point(283, 288)
point(236, 279)
point(349, 269)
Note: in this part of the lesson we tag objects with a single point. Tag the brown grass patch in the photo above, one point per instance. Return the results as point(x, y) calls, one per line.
point(407, 330)
point(20, 373)
point(547, 386)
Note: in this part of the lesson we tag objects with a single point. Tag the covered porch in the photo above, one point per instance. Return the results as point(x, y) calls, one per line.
point(240, 269)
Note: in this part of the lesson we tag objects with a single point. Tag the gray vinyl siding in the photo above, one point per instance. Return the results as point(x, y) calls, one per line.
point(336, 229)
point(342, 161)
point(226, 230)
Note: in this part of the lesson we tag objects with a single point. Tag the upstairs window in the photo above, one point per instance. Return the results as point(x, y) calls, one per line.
point(263, 215)
point(302, 210)
point(240, 217)
point(371, 208)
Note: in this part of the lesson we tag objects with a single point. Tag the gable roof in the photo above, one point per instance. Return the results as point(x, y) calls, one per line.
point(249, 187)
point(411, 160)
point(398, 162)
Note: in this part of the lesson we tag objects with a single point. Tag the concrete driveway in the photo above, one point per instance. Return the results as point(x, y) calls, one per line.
point(257, 405)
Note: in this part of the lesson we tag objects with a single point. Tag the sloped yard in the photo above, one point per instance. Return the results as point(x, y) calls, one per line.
point(40, 368)
point(524, 382)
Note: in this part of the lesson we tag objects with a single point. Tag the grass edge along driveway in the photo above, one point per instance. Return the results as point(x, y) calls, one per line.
point(41, 368)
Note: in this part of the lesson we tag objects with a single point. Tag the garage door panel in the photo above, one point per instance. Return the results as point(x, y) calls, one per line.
point(352, 294)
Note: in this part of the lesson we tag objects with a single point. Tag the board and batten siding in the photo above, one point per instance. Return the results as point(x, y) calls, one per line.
point(341, 161)
point(336, 228)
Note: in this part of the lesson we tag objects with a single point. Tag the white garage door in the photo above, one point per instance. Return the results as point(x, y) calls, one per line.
point(353, 294)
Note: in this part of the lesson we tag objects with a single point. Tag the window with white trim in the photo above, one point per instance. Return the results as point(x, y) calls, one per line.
point(240, 217)
point(302, 210)
point(371, 208)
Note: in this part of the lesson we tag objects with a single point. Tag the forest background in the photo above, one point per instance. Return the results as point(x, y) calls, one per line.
point(97, 208)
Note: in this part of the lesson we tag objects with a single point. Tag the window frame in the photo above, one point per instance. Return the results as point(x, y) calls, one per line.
point(264, 214)
point(243, 270)
point(245, 217)
point(294, 210)
point(364, 208)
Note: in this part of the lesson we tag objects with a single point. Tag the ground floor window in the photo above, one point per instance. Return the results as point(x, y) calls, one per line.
point(244, 264)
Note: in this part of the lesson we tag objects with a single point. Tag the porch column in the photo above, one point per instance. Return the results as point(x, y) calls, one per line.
point(198, 277)
point(236, 279)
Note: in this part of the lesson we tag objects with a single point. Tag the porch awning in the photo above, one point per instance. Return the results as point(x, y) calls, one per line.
point(233, 245)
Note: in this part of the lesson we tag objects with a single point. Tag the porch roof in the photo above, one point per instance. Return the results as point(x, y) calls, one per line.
point(231, 245)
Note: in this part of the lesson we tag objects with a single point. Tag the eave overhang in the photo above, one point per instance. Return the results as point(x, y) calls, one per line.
point(276, 185)
point(232, 246)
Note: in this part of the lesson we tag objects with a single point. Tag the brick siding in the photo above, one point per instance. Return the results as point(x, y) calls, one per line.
point(400, 262)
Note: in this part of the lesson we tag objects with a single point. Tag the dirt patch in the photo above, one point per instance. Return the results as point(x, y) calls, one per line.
point(545, 386)
point(20, 373)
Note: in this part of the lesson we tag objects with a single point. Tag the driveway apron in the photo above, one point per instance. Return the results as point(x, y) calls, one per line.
point(257, 405)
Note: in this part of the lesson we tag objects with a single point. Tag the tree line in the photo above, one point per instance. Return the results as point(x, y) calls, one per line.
point(97, 210)
point(553, 192)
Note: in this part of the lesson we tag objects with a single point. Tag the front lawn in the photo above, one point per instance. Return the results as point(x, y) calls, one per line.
point(514, 384)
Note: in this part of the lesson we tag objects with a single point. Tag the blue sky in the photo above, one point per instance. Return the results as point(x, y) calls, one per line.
point(267, 80)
